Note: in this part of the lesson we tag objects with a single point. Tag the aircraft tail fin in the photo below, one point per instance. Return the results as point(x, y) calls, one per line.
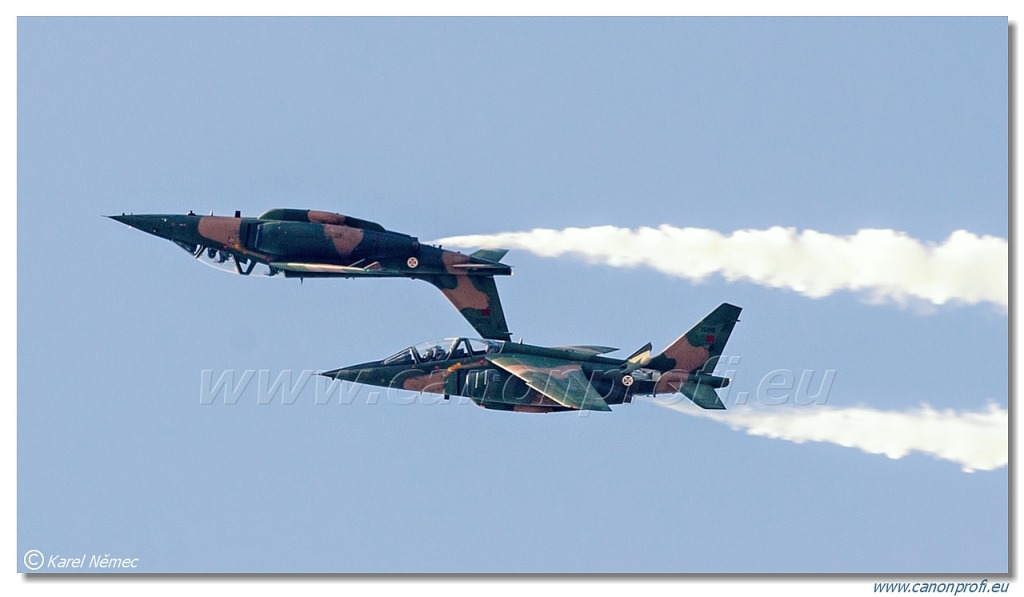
point(700, 347)
point(476, 298)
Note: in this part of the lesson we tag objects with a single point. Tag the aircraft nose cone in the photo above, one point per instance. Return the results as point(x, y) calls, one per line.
point(151, 224)
point(342, 374)
point(180, 229)
point(124, 219)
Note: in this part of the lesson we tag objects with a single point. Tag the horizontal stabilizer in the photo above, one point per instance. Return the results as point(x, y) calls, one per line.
point(702, 395)
point(480, 266)
point(489, 254)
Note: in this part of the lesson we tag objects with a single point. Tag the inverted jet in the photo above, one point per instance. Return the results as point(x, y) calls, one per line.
point(299, 243)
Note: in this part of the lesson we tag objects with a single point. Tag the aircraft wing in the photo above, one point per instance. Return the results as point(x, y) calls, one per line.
point(373, 269)
point(588, 349)
point(560, 380)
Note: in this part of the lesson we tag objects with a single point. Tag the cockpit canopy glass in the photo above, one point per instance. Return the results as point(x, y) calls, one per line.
point(444, 350)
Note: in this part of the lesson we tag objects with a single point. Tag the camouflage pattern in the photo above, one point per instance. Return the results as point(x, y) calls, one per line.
point(521, 377)
point(476, 297)
point(296, 243)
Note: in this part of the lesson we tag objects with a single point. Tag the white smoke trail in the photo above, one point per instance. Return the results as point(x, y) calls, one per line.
point(888, 264)
point(974, 440)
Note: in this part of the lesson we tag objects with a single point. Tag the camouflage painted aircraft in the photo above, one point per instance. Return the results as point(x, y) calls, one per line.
point(298, 243)
point(523, 378)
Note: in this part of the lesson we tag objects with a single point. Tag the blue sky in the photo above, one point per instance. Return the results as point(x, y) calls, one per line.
point(440, 127)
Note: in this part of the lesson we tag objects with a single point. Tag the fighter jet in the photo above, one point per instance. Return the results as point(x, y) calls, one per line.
point(519, 377)
point(298, 243)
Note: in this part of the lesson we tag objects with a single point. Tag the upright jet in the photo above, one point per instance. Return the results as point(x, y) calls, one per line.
point(523, 378)
point(298, 243)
